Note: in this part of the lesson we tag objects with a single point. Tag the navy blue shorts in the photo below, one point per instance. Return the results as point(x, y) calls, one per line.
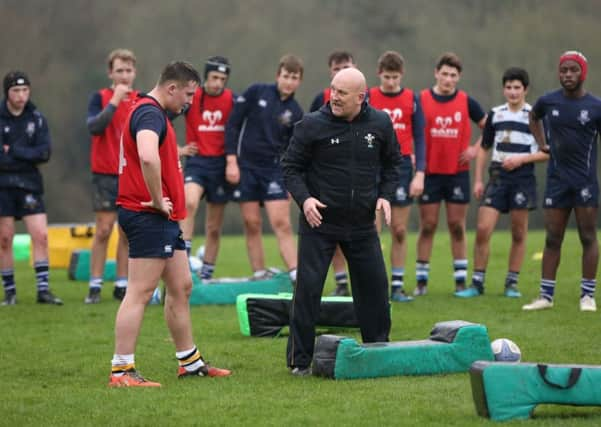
point(18, 203)
point(452, 188)
point(150, 235)
point(401, 195)
point(506, 195)
point(259, 185)
point(104, 194)
point(216, 188)
point(562, 194)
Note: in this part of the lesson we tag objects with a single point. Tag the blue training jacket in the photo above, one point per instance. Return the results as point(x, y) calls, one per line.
point(28, 141)
point(260, 126)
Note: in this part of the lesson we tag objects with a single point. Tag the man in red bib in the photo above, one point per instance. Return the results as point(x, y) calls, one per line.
point(151, 202)
point(204, 173)
point(447, 114)
point(404, 110)
point(107, 111)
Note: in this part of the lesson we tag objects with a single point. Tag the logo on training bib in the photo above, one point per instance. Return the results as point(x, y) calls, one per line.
point(443, 127)
point(212, 118)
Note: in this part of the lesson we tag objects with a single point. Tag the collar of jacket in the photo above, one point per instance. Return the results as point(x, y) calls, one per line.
point(4, 112)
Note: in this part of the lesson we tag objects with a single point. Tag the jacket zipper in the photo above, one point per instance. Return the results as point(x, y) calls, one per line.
point(352, 204)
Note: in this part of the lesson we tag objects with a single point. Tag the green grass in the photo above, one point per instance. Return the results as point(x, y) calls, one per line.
point(55, 360)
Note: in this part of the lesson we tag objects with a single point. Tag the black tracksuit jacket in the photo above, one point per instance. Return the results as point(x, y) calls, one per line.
point(345, 165)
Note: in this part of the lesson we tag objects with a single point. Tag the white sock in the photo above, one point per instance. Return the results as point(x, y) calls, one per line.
point(122, 362)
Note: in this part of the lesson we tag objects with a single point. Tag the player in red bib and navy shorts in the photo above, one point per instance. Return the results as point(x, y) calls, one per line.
point(572, 125)
point(151, 202)
point(204, 173)
point(107, 111)
point(404, 110)
point(447, 114)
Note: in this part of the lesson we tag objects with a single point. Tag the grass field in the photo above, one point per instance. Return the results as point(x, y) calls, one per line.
point(54, 361)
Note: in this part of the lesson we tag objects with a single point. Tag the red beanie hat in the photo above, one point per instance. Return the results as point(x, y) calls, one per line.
point(579, 58)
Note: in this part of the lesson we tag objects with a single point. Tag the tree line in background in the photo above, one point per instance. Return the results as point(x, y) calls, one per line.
point(63, 45)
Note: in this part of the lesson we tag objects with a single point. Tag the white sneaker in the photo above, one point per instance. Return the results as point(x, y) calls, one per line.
point(538, 304)
point(587, 303)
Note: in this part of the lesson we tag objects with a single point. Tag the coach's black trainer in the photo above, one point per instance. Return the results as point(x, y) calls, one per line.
point(119, 293)
point(93, 296)
point(10, 298)
point(46, 297)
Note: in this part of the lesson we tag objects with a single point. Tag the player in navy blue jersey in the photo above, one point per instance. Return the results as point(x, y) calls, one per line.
point(24, 145)
point(512, 185)
point(573, 122)
point(256, 135)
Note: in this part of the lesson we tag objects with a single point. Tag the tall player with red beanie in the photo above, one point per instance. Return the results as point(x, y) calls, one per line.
point(107, 111)
point(404, 110)
point(204, 173)
point(570, 135)
point(151, 202)
point(447, 114)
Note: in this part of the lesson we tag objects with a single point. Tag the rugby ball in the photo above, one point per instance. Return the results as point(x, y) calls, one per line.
point(506, 350)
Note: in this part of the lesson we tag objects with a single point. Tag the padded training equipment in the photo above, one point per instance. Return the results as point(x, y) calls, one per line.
point(452, 347)
point(226, 290)
point(79, 266)
point(506, 391)
point(63, 239)
point(262, 315)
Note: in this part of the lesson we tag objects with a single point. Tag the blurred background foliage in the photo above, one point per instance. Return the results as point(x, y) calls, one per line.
point(63, 45)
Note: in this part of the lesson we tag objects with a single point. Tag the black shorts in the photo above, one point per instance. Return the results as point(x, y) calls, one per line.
point(452, 188)
point(104, 195)
point(259, 185)
point(560, 193)
point(401, 194)
point(506, 195)
point(17, 203)
point(150, 235)
point(216, 188)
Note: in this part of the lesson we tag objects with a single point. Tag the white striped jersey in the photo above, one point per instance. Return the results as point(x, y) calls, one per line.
point(508, 134)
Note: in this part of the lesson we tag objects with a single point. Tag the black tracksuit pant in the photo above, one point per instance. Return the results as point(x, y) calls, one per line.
point(368, 281)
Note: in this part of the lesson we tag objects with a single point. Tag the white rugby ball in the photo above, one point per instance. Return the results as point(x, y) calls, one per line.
point(506, 350)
